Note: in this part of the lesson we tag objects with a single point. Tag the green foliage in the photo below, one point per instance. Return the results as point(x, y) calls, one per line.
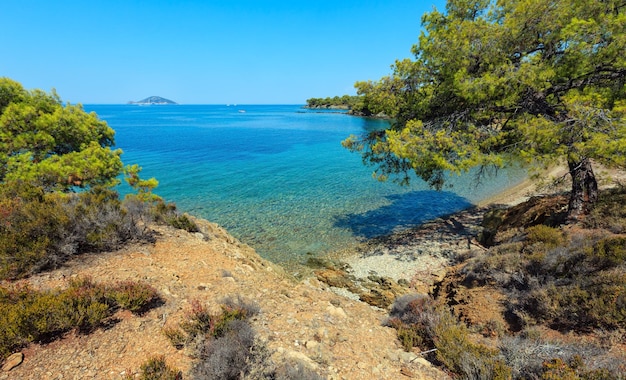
point(201, 322)
point(183, 222)
point(30, 223)
point(610, 252)
point(39, 230)
point(345, 101)
point(588, 302)
point(575, 369)
point(134, 296)
point(166, 213)
point(548, 237)
point(499, 83)
point(28, 316)
point(420, 322)
point(413, 317)
point(156, 368)
point(144, 187)
point(569, 282)
point(56, 146)
point(224, 342)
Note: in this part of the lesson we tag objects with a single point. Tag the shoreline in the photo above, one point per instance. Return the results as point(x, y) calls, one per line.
point(422, 255)
point(521, 192)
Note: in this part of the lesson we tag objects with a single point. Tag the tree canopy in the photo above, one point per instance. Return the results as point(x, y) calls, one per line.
point(54, 146)
point(346, 101)
point(494, 83)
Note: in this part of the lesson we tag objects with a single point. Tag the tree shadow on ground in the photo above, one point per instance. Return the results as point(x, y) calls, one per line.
point(405, 211)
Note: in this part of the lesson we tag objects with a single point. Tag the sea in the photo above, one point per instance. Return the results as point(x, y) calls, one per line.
point(276, 176)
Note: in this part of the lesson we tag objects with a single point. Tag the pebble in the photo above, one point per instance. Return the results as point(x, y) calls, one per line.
point(336, 312)
point(13, 361)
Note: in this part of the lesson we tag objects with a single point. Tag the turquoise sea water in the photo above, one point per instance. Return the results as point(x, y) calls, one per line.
point(277, 177)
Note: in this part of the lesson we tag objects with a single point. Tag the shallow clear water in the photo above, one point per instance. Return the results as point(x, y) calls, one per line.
point(277, 177)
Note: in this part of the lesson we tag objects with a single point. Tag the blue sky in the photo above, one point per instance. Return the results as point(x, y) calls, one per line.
point(204, 52)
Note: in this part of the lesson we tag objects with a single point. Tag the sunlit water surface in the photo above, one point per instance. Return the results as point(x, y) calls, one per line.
point(277, 177)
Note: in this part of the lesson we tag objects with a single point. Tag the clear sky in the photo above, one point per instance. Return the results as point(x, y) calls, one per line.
point(204, 52)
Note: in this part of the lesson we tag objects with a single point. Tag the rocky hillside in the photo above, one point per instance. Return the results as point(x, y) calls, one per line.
point(302, 322)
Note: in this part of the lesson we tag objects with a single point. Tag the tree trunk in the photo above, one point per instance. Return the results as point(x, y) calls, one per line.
point(584, 189)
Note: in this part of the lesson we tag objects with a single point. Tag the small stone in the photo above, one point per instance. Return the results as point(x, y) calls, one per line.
point(407, 357)
point(311, 344)
point(336, 312)
point(13, 361)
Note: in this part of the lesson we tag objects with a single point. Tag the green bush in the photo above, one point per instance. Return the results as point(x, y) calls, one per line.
point(226, 346)
point(418, 320)
point(201, 322)
point(584, 303)
point(28, 316)
point(182, 222)
point(549, 237)
point(458, 353)
point(134, 296)
point(41, 230)
point(609, 252)
point(414, 317)
point(156, 368)
point(574, 369)
point(167, 213)
point(30, 226)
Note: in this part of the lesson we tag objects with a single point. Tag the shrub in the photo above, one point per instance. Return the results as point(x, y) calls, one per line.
point(32, 316)
point(458, 353)
point(200, 322)
point(609, 252)
point(134, 296)
point(549, 237)
point(41, 230)
point(418, 320)
point(227, 356)
point(575, 368)
point(166, 213)
point(156, 368)
point(182, 222)
point(414, 317)
point(532, 358)
point(583, 303)
point(223, 342)
point(226, 346)
point(30, 225)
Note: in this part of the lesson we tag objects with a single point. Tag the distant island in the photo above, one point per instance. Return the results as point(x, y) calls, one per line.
point(153, 100)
